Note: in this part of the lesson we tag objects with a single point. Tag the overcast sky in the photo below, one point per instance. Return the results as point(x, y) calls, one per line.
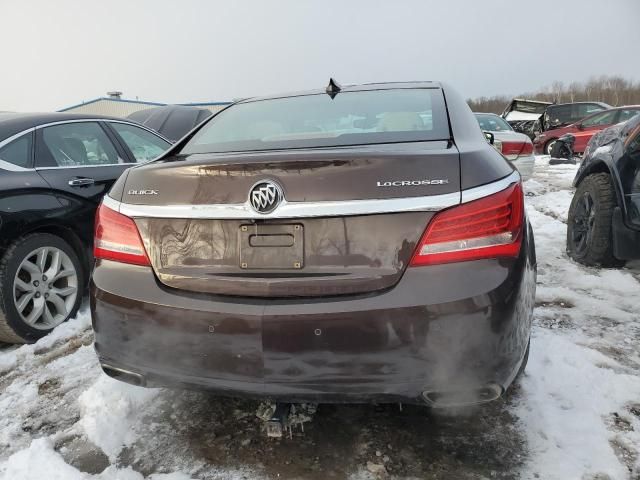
point(57, 53)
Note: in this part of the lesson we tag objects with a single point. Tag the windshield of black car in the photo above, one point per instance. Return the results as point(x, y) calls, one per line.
point(493, 123)
point(317, 120)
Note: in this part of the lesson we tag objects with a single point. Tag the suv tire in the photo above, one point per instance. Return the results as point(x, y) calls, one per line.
point(589, 234)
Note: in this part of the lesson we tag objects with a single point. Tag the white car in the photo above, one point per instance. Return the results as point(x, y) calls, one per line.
point(515, 147)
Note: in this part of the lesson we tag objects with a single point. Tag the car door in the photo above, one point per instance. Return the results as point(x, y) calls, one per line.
point(142, 144)
point(589, 126)
point(79, 159)
point(80, 163)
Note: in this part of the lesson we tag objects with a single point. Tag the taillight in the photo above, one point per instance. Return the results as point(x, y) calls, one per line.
point(117, 238)
point(513, 150)
point(490, 227)
point(527, 149)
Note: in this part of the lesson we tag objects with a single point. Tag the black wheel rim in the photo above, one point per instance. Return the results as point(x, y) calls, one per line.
point(583, 221)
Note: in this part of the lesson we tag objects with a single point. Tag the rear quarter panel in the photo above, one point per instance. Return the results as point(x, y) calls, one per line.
point(480, 163)
point(28, 204)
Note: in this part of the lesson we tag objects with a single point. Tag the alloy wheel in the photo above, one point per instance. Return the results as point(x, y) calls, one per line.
point(45, 288)
point(583, 222)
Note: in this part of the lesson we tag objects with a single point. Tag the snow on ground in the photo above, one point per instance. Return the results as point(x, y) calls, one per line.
point(574, 415)
point(577, 403)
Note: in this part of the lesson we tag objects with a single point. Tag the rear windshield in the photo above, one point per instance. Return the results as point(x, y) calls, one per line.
point(492, 123)
point(351, 118)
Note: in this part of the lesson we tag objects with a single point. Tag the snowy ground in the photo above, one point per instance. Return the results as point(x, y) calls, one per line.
point(574, 415)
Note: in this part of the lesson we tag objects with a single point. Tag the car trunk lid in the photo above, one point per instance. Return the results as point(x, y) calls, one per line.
point(348, 222)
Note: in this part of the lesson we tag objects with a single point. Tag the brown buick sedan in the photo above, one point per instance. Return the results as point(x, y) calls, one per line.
point(354, 244)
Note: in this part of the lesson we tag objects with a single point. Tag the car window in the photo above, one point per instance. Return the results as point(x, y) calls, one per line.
point(18, 152)
point(558, 115)
point(143, 144)
point(584, 109)
point(318, 120)
point(76, 144)
point(493, 123)
point(627, 113)
point(605, 118)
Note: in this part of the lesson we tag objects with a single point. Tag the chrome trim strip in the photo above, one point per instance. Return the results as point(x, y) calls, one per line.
point(292, 209)
point(114, 205)
point(16, 136)
point(244, 211)
point(105, 120)
point(13, 168)
point(490, 188)
point(63, 167)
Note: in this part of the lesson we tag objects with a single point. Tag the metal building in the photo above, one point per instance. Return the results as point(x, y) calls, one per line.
point(116, 106)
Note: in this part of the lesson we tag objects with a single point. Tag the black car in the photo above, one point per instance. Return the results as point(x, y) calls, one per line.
point(54, 170)
point(604, 218)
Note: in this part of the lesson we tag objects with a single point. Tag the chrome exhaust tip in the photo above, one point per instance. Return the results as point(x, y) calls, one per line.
point(463, 397)
point(123, 375)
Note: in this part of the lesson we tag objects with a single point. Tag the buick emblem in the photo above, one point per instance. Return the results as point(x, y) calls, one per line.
point(265, 196)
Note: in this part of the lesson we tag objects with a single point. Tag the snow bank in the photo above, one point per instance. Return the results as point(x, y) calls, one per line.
point(566, 392)
point(41, 462)
point(10, 357)
point(108, 410)
point(59, 363)
point(571, 389)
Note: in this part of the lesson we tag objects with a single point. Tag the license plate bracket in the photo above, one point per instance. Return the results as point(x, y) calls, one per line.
point(271, 246)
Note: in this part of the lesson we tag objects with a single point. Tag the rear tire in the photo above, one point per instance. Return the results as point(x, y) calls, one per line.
point(589, 232)
point(32, 304)
point(548, 146)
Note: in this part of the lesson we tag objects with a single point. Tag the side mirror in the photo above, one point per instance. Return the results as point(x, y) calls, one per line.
point(490, 137)
point(579, 126)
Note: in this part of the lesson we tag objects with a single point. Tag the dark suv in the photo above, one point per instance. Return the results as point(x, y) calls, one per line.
point(363, 243)
point(54, 170)
point(604, 217)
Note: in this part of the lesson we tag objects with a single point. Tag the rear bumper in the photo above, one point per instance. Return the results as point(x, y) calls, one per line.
point(455, 328)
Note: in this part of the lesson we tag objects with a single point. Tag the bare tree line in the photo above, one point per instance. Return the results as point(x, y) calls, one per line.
point(611, 89)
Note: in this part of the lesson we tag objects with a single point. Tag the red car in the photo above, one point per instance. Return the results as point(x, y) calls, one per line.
point(584, 129)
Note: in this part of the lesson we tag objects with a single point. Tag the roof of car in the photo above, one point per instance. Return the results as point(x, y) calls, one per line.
point(612, 109)
point(350, 88)
point(624, 106)
point(602, 104)
point(13, 123)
